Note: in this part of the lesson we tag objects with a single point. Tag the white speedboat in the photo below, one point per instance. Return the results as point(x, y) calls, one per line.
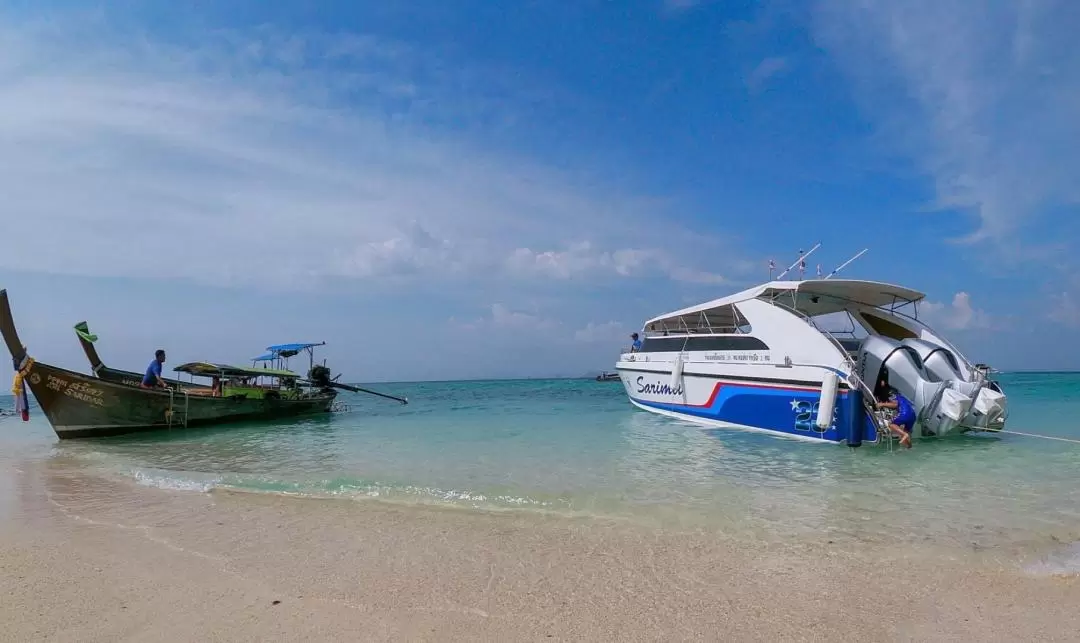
point(760, 360)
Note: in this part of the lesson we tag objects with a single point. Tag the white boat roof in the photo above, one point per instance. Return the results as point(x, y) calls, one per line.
point(812, 296)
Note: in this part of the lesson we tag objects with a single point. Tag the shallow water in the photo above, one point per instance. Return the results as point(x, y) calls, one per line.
point(578, 447)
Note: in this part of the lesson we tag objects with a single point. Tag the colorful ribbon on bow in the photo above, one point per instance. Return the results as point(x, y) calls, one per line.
point(18, 388)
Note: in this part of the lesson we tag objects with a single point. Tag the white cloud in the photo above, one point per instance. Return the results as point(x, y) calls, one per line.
point(607, 332)
point(502, 317)
point(766, 69)
point(583, 258)
point(983, 96)
point(257, 158)
point(680, 5)
point(1064, 310)
point(958, 315)
point(576, 259)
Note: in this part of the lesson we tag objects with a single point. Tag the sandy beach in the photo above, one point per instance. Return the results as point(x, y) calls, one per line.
point(88, 558)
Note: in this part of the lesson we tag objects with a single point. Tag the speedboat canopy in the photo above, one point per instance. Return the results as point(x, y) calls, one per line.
point(812, 298)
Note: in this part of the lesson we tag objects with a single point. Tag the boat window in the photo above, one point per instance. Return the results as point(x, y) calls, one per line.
point(722, 319)
point(887, 328)
point(713, 343)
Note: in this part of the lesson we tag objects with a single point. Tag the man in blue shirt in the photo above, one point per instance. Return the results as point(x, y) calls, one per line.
point(153, 378)
point(637, 343)
point(890, 398)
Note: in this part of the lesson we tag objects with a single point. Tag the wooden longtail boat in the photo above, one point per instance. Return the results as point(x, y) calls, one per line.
point(278, 356)
point(80, 405)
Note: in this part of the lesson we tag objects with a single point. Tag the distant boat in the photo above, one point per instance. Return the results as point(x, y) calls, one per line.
point(607, 377)
point(113, 403)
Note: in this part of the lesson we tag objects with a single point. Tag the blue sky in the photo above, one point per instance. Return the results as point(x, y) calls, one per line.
point(479, 189)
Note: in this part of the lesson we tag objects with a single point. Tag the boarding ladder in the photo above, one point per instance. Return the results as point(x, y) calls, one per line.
point(880, 417)
point(881, 420)
point(175, 415)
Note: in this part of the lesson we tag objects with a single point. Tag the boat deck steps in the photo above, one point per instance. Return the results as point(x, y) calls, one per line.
point(882, 420)
point(177, 415)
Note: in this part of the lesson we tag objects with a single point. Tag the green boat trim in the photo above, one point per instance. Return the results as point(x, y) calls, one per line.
point(83, 331)
point(211, 369)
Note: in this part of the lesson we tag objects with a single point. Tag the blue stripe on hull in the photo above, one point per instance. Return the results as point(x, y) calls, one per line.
point(778, 409)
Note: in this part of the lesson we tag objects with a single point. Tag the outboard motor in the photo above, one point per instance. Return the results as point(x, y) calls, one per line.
point(989, 407)
point(941, 364)
point(319, 375)
point(940, 406)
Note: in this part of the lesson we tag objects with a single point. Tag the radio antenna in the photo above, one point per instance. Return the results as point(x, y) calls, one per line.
point(800, 261)
point(844, 265)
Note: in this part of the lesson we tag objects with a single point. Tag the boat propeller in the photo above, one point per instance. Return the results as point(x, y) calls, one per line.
point(319, 375)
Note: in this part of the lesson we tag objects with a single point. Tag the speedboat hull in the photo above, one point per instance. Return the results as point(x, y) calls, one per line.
point(787, 408)
point(759, 360)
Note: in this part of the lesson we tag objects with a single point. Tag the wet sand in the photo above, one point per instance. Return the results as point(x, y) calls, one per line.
point(87, 558)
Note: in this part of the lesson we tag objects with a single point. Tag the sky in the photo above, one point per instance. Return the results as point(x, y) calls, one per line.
point(473, 189)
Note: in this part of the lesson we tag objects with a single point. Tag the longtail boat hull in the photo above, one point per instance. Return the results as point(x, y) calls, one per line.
point(80, 406)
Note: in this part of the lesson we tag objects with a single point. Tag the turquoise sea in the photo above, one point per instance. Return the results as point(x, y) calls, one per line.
point(577, 447)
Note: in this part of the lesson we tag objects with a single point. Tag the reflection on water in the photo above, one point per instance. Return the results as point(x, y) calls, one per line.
point(577, 446)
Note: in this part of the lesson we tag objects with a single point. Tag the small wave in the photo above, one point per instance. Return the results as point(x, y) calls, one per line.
point(172, 483)
point(1064, 562)
point(346, 489)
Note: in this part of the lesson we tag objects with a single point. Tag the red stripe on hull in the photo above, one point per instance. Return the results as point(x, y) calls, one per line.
point(773, 387)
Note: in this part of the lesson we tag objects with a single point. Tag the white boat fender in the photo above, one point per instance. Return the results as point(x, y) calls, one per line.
point(676, 373)
point(827, 403)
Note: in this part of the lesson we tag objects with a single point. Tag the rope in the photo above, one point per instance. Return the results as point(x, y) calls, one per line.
point(1036, 435)
point(17, 383)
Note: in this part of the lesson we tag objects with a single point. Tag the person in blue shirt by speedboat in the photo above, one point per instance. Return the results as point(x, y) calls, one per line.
point(152, 378)
point(889, 398)
point(636, 346)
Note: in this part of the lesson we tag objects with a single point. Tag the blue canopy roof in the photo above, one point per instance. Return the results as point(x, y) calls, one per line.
point(281, 348)
point(284, 350)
